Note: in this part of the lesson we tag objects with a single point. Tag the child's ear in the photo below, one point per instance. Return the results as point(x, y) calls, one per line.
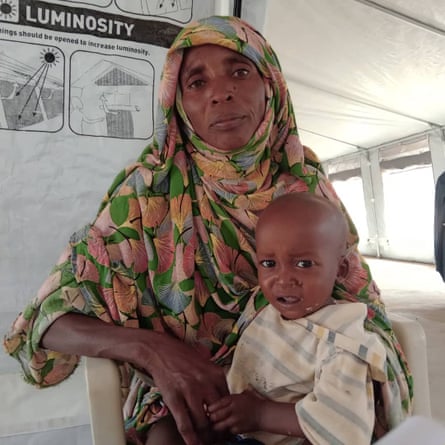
point(343, 267)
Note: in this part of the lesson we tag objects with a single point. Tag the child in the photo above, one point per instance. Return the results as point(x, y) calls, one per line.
point(303, 370)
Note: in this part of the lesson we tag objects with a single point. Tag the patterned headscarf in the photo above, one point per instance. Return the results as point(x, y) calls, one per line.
point(172, 247)
point(199, 205)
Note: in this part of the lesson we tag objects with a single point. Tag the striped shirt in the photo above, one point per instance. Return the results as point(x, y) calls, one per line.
point(324, 363)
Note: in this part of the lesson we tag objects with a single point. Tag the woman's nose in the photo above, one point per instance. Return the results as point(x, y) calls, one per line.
point(222, 93)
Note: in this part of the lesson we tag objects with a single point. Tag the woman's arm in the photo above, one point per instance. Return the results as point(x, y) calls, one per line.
point(82, 335)
point(186, 380)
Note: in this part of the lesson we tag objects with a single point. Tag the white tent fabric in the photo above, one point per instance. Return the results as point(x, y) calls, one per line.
point(39, 417)
point(361, 73)
point(366, 76)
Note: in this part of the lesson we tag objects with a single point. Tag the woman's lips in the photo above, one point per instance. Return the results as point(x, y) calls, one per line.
point(227, 122)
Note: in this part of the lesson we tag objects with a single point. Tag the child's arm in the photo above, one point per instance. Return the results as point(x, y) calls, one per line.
point(247, 412)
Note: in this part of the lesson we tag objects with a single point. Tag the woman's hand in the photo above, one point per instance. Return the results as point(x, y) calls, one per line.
point(188, 382)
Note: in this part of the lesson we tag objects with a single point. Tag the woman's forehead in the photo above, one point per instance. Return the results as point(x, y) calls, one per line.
point(198, 55)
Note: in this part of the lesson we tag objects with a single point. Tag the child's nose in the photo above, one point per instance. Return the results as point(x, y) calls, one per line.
point(288, 277)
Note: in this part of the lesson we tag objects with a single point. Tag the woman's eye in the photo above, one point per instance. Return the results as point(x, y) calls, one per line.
point(304, 264)
point(267, 263)
point(198, 83)
point(241, 72)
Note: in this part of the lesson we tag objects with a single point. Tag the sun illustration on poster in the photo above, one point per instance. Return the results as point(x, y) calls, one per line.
point(37, 82)
point(8, 10)
point(49, 57)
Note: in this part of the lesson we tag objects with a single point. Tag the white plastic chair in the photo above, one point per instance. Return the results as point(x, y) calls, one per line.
point(412, 337)
point(105, 401)
point(103, 383)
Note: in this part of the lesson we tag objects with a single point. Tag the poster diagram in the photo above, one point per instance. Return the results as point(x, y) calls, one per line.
point(31, 93)
point(180, 10)
point(111, 96)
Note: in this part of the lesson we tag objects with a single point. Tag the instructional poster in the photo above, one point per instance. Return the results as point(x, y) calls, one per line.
point(78, 92)
point(101, 56)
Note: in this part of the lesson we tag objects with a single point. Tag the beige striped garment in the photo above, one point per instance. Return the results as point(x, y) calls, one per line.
point(324, 363)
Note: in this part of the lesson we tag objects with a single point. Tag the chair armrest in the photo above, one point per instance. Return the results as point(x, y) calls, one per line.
point(105, 403)
point(412, 338)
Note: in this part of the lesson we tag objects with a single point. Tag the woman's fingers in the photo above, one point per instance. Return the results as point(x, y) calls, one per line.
point(187, 381)
point(200, 419)
point(187, 401)
point(198, 399)
point(184, 422)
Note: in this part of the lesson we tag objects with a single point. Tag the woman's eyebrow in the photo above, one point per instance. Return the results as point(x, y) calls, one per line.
point(187, 72)
point(238, 58)
point(193, 70)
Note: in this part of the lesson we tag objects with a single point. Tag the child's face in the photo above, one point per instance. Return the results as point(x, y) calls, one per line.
point(298, 262)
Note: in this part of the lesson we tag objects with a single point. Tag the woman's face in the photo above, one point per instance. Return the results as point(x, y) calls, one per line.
point(223, 95)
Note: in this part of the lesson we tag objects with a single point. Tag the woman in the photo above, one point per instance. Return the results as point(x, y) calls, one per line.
point(171, 251)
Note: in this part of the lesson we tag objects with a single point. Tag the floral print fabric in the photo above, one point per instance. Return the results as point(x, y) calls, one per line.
point(172, 247)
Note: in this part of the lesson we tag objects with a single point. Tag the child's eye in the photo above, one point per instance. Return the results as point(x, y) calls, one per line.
point(304, 264)
point(267, 263)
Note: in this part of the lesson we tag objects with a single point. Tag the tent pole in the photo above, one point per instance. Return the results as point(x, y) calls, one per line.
point(237, 8)
point(404, 17)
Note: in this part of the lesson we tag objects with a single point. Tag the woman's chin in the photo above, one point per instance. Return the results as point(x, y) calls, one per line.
point(229, 142)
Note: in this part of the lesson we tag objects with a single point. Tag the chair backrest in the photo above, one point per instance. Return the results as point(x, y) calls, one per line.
point(412, 338)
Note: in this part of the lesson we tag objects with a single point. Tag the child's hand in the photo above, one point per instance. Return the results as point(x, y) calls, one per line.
point(236, 413)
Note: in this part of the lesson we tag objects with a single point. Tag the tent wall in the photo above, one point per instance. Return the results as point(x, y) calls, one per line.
point(366, 76)
point(395, 219)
